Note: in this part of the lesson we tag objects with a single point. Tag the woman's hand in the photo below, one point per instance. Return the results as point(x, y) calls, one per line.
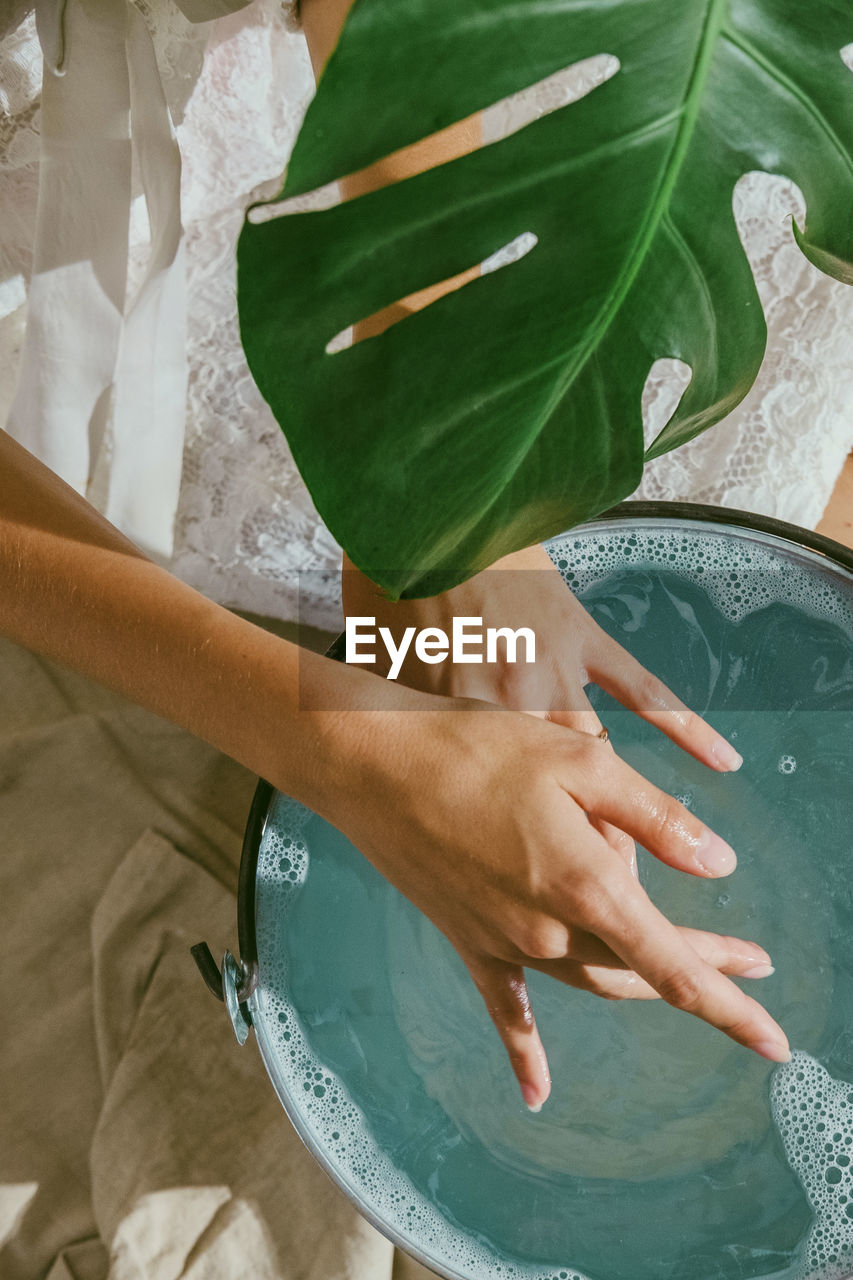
point(526, 590)
point(572, 651)
point(490, 822)
point(477, 814)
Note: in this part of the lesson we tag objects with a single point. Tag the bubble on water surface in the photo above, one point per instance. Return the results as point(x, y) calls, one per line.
point(814, 1115)
point(738, 574)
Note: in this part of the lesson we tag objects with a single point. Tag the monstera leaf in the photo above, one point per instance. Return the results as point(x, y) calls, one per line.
point(510, 409)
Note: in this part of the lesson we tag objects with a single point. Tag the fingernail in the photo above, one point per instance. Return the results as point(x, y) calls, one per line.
point(759, 971)
point(775, 1050)
point(724, 754)
point(531, 1096)
point(714, 856)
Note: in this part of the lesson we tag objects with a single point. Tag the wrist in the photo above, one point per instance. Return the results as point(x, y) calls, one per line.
point(349, 734)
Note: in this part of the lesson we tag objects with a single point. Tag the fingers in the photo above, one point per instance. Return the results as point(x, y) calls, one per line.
point(619, 841)
point(728, 955)
point(585, 720)
point(624, 984)
point(632, 926)
point(596, 967)
point(600, 980)
point(610, 789)
point(617, 673)
point(504, 991)
point(581, 716)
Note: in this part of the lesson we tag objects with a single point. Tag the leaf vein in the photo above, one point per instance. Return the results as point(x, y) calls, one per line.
point(793, 89)
point(715, 13)
point(692, 262)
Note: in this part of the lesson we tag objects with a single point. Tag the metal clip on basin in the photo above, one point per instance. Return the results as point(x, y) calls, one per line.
point(234, 981)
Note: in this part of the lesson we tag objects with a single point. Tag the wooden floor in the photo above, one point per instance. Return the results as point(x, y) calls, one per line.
point(837, 521)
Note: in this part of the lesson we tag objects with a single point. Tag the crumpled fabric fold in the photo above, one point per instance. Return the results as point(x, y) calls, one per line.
point(138, 1140)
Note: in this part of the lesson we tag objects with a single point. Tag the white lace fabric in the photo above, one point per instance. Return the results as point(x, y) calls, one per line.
point(246, 531)
point(780, 452)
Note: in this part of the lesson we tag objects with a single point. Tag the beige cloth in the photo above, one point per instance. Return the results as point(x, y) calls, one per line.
point(138, 1141)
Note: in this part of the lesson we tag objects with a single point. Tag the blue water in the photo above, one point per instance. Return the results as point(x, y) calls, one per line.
point(657, 1156)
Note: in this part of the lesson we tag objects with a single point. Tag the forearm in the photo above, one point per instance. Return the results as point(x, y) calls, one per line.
point(75, 590)
point(403, 790)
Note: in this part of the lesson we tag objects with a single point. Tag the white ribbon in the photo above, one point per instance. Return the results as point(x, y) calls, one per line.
point(102, 106)
point(151, 374)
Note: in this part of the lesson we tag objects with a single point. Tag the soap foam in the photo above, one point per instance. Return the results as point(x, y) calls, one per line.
point(333, 1122)
point(738, 574)
point(814, 1115)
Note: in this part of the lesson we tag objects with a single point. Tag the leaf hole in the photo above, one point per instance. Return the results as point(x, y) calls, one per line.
point(493, 124)
point(556, 91)
point(372, 326)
